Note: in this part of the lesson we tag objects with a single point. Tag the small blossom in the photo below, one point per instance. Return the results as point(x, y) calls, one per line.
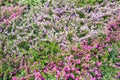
point(92, 79)
point(14, 78)
point(108, 39)
point(99, 63)
point(75, 49)
point(109, 49)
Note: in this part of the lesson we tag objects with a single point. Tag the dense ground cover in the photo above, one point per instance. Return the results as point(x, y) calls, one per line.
point(56, 40)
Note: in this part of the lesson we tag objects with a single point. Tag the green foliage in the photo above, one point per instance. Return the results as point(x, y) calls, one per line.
point(33, 2)
point(24, 45)
point(69, 37)
point(113, 54)
point(5, 69)
point(7, 2)
point(48, 47)
point(83, 33)
point(81, 14)
point(108, 71)
point(106, 17)
point(50, 77)
point(85, 2)
point(22, 73)
point(98, 26)
point(102, 35)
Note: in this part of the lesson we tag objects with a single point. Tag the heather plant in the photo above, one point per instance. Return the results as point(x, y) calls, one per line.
point(64, 24)
point(59, 41)
point(91, 61)
point(96, 58)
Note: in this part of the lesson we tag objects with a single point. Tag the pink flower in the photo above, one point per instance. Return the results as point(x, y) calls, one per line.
point(22, 78)
point(58, 73)
point(118, 56)
point(97, 74)
point(66, 69)
point(78, 72)
point(75, 49)
point(54, 69)
point(109, 49)
point(99, 63)
point(72, 75)
point(14, 78)
point(69, 63)
point(78, 61)
point(92, 79)
point(6, 21)
point(67, 76)
point(13, 15)
point(118, 75)
point(76, 79)
point(73, 69)
point(63, 72)
point(37, 75)
point(108, 39)
point(87, 57)
point(87, 47)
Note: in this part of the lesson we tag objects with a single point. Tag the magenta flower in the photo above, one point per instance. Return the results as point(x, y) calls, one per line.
point(66, 69)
